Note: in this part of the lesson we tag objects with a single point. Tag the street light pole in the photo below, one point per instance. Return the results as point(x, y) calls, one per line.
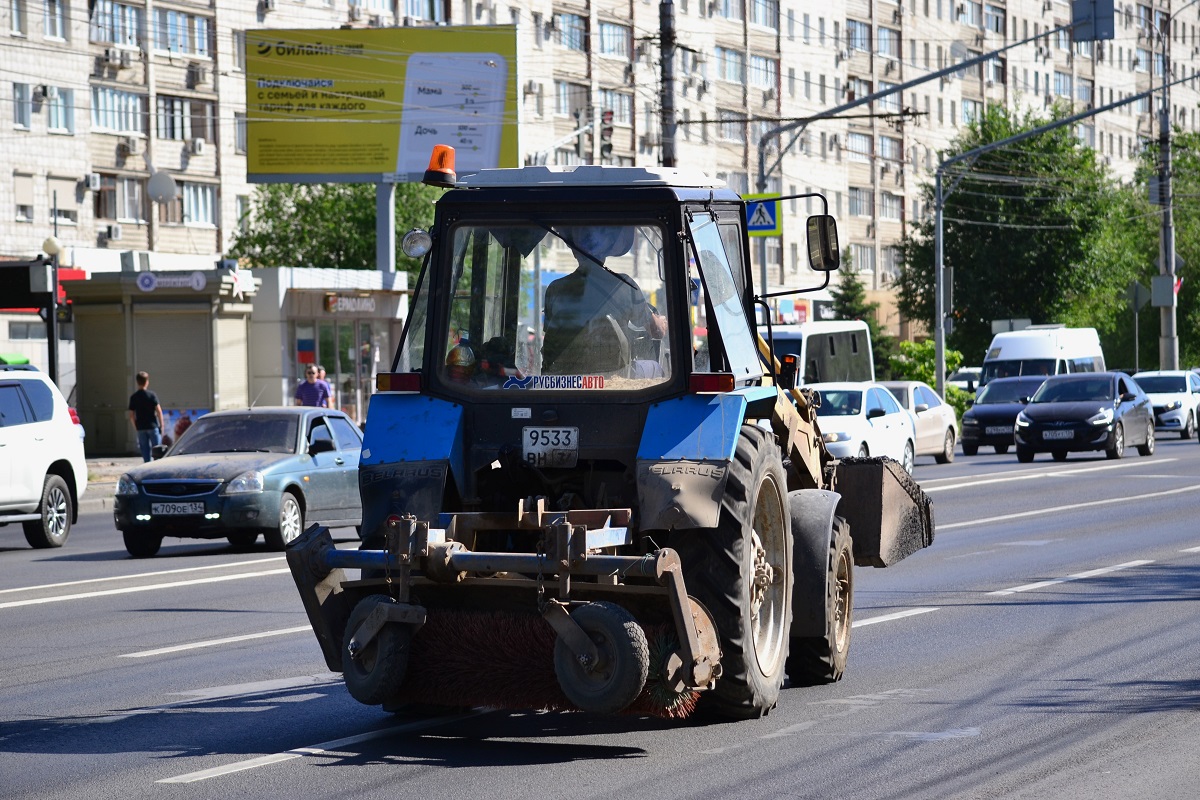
point(1168, 342)
point(52, 248)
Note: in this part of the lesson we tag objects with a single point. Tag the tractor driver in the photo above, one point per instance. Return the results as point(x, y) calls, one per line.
point(592, 315)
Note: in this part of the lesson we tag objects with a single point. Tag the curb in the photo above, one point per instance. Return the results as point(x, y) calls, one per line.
point(98, 496)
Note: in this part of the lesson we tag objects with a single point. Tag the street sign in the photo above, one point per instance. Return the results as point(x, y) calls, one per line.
point(762, 215)
point(1138, 296)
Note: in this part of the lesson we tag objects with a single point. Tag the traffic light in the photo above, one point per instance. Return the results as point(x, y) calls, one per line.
point(606, 132)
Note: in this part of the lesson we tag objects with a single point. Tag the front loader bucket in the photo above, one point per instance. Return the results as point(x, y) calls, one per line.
point(890, 517)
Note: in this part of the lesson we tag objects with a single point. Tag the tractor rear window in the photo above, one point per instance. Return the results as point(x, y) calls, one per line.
point(571, 306)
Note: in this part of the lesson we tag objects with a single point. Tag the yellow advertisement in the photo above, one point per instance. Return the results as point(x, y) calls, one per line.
point(368, 105)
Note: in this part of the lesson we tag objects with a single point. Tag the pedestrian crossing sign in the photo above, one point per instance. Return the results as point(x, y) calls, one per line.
point(762, 215)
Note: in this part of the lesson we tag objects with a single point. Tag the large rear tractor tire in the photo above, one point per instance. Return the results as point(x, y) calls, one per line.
point(619, 674)
point(741, 572)
point(56, 510)
point(374, 674)
point(817, 660)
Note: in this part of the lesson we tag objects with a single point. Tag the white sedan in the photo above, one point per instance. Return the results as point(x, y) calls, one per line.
point(1175, 395)
point(937, 424)
point(864, 419)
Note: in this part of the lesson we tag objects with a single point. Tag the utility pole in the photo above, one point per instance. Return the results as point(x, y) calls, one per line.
point(666, 25)
point(1168, 342)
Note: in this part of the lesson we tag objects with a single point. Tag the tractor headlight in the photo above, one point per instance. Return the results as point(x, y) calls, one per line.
point(245, 483)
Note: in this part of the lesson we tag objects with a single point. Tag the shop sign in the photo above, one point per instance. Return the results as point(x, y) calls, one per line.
point(149, 281)
point(349, 304)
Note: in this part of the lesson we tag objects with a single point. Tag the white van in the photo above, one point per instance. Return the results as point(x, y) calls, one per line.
point(1043, 350)
point(838, 350)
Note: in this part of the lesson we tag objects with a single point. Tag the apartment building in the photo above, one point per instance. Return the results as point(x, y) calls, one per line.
point(97, 97)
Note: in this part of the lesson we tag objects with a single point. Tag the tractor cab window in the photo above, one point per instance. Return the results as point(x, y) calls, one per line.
point(557, 305)
point(722, 338)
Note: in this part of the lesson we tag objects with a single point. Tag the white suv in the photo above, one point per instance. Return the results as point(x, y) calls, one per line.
point(42, 469)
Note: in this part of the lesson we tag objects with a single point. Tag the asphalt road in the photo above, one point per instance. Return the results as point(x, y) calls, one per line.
point(1045, 646)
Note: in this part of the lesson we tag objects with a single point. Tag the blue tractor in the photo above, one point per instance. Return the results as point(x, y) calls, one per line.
point(586, 483)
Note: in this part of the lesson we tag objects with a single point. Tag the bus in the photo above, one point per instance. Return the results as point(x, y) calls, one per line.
point(838, 350)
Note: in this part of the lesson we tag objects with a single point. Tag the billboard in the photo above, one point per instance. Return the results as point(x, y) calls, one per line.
point(368, 105)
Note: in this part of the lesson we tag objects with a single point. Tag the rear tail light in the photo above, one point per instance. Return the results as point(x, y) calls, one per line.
point(710, 382)
point(74, 415)
point(398, 382)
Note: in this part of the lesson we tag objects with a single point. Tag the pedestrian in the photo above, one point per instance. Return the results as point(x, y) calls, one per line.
point(312, 392)
point(145, 415)
point(328, 385)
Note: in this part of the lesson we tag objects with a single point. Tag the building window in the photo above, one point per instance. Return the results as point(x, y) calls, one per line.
point(115, 23)
point(731, 65)
point(972, 14)
point(889, 43)
point(891, 264)
point(861, 203)
point(972, 111)
point(1141, 60)
point(891, 206)
point(620, 103)
point(19, 331)
point(429, 10)
point(615, 41)
point(193, 204)
point(114, 111)
point(1084, 90)
point(766, 13)
point(569, 98)
point(60, 106)
point(732, 126)
point(857, 88)
point(571, 31)
point(994, 19)
point(56, 19)
point(23, 197)
point(17, 22)
point(184, 119)
point(858, 35)
point(242, 203)
point(764, 72)
point(863, 256)
point(890, 149)
point(1062, 84)
point(729, 9)
point(859, 145)
point(119, 199)
point(239, 50)
point(22, 106)
point(239, 132)
point(889, 103)
point(177, 32)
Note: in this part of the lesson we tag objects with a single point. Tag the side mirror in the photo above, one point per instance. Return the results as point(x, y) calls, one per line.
point(1128, 397)
point(970, 402)
point(787, 372)
point(970, 384)
point(1024, 400)
point(872, 413)
point(919, 407)
point(158, 451)
point(321, 446)
point(824, 255)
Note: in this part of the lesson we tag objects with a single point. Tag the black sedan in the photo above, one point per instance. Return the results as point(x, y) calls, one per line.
point(1086, 411)
point(990, 419)
point(236, 474)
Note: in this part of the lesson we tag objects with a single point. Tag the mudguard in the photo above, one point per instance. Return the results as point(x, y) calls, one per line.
point(411, 447)
point(684, 454)
point(812, 512)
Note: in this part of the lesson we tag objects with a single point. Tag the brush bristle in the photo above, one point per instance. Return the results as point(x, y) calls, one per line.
point(464, 659)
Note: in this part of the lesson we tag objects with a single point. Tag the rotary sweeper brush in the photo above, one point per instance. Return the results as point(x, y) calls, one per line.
point(586, 481)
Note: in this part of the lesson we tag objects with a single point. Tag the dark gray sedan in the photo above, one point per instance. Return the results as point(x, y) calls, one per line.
point(1086, 411)
point(236, 474)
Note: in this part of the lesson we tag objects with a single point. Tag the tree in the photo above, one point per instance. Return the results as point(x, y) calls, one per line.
point(1036, 230)
point(326, 225)
point(850, 302)
point(917, 361)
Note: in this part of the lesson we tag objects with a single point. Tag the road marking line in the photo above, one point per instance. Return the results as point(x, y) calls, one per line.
point(1026, 475)
point(912, 612)
point(1073, 506)
point(1076, 577)
point(316, 749)
point(1191, 550)
point(139, 575)
point(131, 589)
point(214, 642)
